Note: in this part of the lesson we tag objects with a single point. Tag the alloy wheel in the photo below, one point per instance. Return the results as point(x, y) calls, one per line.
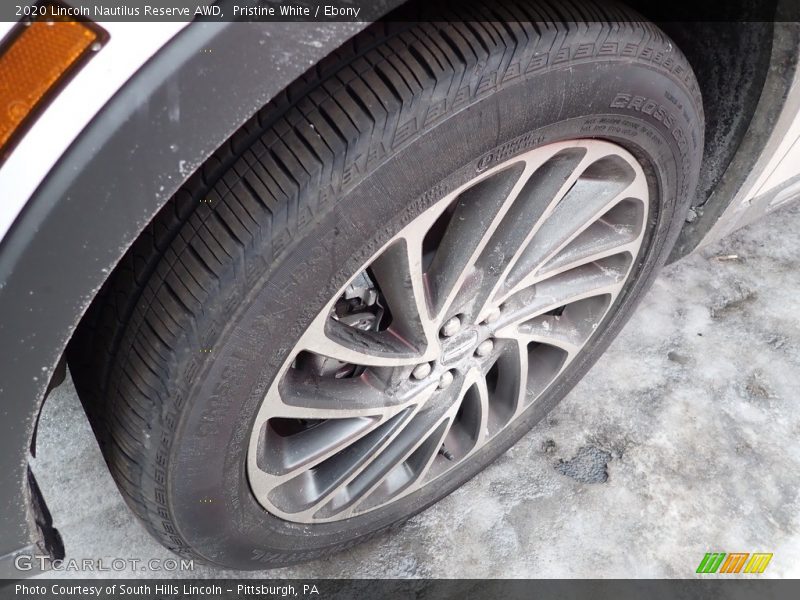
point(450, 332)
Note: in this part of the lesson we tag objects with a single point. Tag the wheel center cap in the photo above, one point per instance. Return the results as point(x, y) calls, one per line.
point(456, 347)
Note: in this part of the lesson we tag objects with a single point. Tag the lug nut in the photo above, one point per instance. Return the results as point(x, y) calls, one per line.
point(484, 348)
point(421, 371)
point(445, 380)
point(493, 315)
point(451, 327)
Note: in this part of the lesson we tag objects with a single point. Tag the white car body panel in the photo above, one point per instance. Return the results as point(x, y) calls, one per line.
point(129, 46)
point(778, 165)
point(789, 165)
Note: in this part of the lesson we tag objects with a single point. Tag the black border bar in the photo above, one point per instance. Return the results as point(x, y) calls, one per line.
point(731, 587)
point(270, 11)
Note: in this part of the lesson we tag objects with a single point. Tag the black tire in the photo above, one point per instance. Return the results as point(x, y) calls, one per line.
point(185, 337)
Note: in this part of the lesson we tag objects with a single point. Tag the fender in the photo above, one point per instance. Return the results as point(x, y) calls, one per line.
point(164, 123)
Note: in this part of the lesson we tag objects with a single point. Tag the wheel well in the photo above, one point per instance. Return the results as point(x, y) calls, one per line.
point(730, 60)
point(103, 191)
point(730, 48)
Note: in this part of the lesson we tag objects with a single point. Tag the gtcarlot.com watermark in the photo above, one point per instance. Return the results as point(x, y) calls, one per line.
point(32, 562)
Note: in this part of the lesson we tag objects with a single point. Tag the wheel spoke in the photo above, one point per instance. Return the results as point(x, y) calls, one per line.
point(403, 477)
point(334, 339)
point(519, 359)
point(544, 186)
point(585, 204)
point(453, 437)
point(287, 453)
point(464, 431)
point(399, 275)
point(477, 213)
point(568, 330)
point(390, 460)
point(616, 232)
point(302, 491)
point(306, 395)
point(482, 395)
point(603, 277)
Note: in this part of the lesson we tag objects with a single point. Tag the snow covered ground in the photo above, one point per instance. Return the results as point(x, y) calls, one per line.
point(682, 440)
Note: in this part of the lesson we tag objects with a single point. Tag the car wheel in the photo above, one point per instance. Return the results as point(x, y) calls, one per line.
point(389, 276)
